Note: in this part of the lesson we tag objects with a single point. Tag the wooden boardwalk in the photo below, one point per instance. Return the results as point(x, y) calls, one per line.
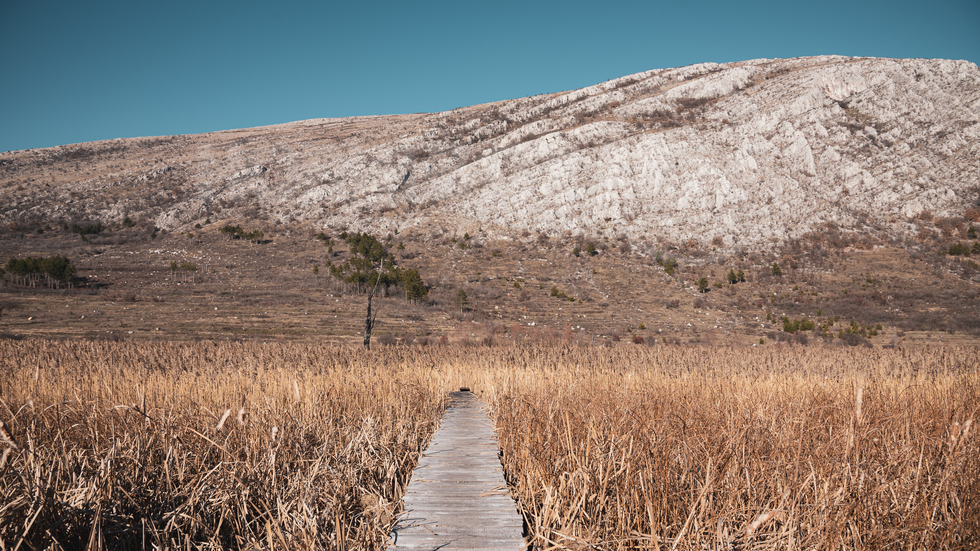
point(457, 498)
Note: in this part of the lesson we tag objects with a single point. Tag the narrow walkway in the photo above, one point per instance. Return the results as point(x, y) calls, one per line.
point(457, 498)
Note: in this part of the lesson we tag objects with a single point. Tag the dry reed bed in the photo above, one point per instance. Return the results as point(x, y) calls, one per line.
point(204, 446)
point(140, 445)
point(695, 448)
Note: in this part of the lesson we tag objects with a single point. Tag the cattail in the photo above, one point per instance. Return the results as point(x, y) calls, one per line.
point(6, 437)
point(857, 408)
point(241, 417)
point(221, 423)
point(760, 520)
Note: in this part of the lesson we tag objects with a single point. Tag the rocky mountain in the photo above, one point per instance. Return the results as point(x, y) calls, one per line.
point(734, 155)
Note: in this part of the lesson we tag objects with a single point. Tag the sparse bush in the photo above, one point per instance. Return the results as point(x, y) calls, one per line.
point(958, 249)
point(793, 326)
point(87, 229)
point(854, 339)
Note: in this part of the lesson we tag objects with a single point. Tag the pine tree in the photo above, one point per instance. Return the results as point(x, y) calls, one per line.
point(703, 285)
point(462, 301)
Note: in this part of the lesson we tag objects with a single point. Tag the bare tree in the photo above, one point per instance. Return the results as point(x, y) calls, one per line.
point(369, 321)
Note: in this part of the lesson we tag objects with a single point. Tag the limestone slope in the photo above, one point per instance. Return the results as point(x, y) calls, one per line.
point(751, 152)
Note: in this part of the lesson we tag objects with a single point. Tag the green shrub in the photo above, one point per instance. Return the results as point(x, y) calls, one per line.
point(702, 284)
point(959, 249)
point(87, 229)
point(793, 326)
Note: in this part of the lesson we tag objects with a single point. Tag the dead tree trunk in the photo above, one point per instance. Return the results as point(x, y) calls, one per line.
point(369, 321)
point(368, 325)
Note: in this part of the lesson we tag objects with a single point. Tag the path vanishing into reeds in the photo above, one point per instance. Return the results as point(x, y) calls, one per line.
point(457, 498)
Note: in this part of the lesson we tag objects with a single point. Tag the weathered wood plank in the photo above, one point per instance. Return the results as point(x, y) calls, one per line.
point(457, 498)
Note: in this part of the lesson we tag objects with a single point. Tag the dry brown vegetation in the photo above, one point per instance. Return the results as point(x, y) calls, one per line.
point(230, 446)
point(211, 446)
point(784, 448)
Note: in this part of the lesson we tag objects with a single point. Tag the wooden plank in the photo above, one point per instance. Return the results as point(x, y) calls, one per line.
point(457, 498)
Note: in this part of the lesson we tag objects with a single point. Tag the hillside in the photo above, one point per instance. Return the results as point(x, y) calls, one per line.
point(858, 176)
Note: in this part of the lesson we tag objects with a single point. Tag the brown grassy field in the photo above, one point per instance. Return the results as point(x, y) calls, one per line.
point(785, 448)
point(244, 291)
point(212, 446)
point(287, 445)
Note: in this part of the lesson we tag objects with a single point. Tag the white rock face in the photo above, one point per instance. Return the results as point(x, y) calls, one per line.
point(752, 152)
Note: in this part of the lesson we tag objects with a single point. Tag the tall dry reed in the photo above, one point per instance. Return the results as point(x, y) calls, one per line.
point(212, 446)
point(229, 446)
point(789, 448)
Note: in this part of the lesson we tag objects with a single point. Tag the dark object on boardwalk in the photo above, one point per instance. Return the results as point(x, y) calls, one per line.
point(464, 389)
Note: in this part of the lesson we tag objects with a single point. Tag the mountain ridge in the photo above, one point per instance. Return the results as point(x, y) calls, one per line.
point(736, 155)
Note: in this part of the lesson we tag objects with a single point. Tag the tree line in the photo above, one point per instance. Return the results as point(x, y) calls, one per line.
point(52, 272)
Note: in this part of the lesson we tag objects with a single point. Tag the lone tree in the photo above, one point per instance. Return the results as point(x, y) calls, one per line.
point(703, 285)
point(462, 301)
point(369, 267)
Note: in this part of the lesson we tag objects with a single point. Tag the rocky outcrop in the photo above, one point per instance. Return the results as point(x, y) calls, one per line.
point(751, 152)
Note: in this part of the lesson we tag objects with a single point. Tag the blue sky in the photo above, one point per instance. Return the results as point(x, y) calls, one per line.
point(82, 71)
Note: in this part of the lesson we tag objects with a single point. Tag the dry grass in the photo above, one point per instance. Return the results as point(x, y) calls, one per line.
point(230, 446)
point(787, 448)
point(124, 446)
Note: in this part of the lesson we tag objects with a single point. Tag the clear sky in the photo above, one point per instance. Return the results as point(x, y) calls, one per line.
point(81, 71)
